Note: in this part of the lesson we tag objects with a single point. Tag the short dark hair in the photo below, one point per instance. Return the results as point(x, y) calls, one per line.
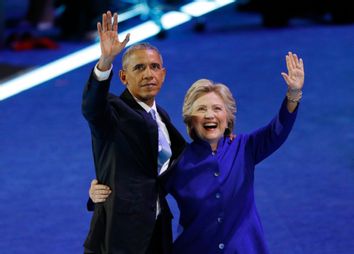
point(138, 46)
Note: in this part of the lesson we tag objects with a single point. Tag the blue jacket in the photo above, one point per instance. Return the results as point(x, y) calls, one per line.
point(215, 191)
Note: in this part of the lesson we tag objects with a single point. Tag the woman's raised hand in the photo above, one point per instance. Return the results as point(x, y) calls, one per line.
point(296, 74)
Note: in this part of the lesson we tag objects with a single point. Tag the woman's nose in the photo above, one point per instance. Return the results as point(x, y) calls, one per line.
point(209, 114)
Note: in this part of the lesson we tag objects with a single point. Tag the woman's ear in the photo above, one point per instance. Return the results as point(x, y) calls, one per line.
point(227, 132)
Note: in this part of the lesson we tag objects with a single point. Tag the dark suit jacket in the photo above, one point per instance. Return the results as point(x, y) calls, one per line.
point(124, 143)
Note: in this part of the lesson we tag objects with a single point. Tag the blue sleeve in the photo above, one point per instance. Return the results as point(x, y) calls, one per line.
point(264, 141)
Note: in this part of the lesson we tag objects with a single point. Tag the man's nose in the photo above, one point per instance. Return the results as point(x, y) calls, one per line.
point(148, 73)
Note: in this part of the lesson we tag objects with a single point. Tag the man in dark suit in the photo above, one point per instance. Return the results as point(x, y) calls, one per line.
point(125, 141)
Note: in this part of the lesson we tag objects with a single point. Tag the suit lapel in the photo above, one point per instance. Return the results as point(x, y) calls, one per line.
point(130, 101)
point(151, 126)
point(177, 141)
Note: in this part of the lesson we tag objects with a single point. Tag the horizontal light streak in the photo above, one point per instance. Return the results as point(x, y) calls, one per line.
point(91, 53)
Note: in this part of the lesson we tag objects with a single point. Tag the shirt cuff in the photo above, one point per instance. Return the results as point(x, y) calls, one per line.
point(102, 75)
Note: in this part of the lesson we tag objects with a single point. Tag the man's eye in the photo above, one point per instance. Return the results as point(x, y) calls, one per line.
point(139, 67)
point(155, 66)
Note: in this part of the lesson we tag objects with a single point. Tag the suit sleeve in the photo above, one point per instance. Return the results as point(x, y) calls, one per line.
point(90, 206)
point(264, 141)
point(95, 106)
point(96, 110)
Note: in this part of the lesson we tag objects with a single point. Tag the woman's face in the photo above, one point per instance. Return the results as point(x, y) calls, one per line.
point(209, 118)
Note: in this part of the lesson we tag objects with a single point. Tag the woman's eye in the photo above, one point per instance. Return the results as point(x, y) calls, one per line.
point(218, 108)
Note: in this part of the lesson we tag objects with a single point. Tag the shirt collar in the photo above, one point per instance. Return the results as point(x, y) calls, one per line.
point(146, 107)
point(203, 143)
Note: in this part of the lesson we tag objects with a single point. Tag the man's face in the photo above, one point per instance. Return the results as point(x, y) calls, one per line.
point(143, 74)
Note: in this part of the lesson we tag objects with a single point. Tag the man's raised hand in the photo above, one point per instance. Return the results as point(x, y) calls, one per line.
point(109, 41)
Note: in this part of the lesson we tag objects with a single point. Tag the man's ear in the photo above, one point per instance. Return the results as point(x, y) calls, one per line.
point(123, 77)
point(164, 75)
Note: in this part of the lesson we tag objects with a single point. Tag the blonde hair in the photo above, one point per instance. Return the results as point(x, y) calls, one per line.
point(139, 46)
point(202, 87)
